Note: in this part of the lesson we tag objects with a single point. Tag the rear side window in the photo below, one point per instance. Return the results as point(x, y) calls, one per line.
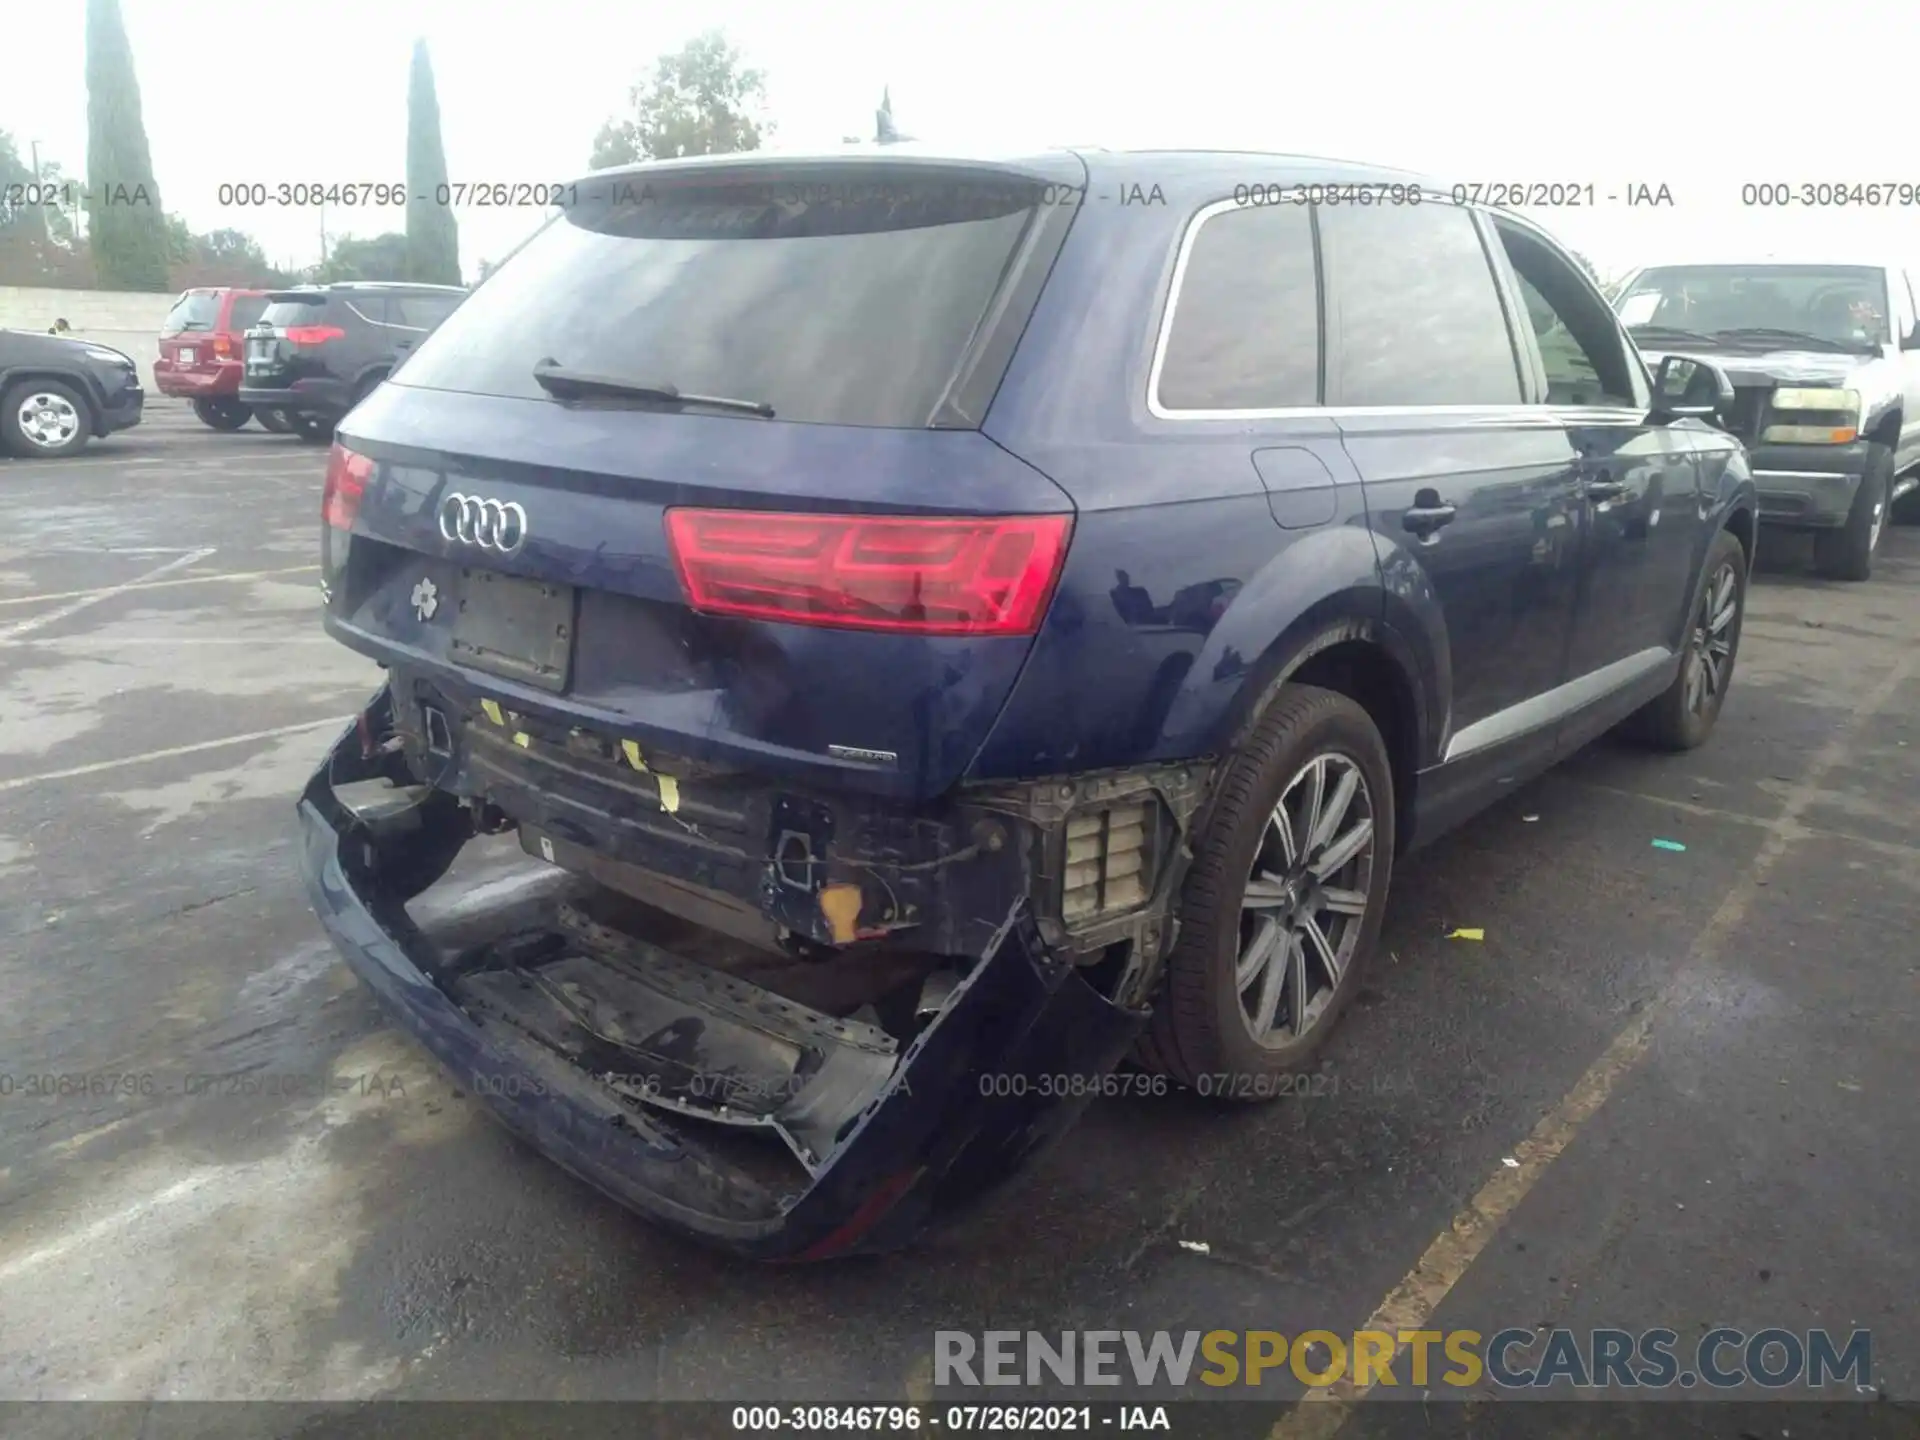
point(420, 312)
point(1245, 333)
point(191, 312)
point(1415, 310)
point(365, 305)
point(831, 303)
point(282, 313)
point(245, 311)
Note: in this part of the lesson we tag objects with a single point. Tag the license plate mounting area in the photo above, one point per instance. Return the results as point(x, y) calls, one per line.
point(519, 629)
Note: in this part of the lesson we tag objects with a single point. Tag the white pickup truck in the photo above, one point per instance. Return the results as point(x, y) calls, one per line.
point(1825, 363)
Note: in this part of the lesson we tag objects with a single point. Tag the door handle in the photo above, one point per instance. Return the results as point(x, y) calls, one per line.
point(1423, 520)
point(1604, 489)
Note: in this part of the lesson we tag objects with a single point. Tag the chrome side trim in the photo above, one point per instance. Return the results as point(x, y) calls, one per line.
point(1760, 475)
point(1537, 712)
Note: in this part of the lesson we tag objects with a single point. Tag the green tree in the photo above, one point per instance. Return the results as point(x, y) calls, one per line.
point(380, 257)
point(433, 237)
point(125, 223)
point(701, 101)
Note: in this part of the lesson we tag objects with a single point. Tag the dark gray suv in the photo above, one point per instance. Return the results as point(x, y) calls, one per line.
point(319, 350)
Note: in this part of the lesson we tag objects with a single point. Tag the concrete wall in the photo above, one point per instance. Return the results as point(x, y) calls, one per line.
point(127, 320)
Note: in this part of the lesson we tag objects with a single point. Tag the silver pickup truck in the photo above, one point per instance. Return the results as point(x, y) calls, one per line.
point(1825, 363)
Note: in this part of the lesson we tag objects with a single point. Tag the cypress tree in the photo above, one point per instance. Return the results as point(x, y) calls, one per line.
point(433, 237)
point(126, 226)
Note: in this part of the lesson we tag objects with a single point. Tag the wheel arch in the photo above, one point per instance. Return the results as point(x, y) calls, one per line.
point(368, 380)
point(1362, 658)
point(1886, 429)
point(1745, 528)
point(79, 380)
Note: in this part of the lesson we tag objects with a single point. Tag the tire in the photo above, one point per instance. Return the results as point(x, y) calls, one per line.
point(1202, 1032)
point(275, 421)
point(368, 385)
point(44, 419)
point(1682, 716)
point(223, 414)
point(313, 429)
point(1847, 553)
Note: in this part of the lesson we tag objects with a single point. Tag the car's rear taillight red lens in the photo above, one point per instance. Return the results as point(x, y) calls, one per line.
point(347, 476)
point(917, 575)
point(223, 347)
point(314, 334)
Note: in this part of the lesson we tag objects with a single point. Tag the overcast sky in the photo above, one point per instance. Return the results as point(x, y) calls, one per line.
point(1689, 93)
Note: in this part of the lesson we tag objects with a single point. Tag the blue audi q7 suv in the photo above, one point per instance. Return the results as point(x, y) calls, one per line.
point(956, 626)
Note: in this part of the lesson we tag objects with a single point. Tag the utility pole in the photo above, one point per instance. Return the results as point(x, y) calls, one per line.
point(323, 234)
point(46, 226)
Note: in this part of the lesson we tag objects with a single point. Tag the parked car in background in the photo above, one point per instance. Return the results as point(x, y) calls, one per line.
point(57, 392)
point(320, 350)
point(200, 346)
point(954, 636)
point(1825, 363)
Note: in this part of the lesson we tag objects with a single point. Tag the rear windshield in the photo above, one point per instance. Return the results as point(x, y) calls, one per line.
point(833, 304)
point(191, 312)
point(281, 313)
point(245, 311)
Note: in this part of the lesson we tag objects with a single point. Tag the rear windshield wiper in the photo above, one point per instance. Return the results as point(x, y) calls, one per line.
point(1795, 337)
point(565, 384)
point(1669, 332)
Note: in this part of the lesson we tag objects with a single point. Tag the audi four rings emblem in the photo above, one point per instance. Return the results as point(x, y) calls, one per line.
point(489, 524)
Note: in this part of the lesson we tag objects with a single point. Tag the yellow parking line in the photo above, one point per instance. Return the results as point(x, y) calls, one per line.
point(1411, 1304)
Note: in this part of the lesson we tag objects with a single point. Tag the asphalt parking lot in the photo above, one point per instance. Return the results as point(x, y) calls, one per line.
point(1701, 1063)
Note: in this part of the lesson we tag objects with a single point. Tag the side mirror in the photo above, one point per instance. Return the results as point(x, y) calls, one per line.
point(1686, 386)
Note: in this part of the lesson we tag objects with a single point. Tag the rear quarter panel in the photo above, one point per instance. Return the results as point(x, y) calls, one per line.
point(1183, 596)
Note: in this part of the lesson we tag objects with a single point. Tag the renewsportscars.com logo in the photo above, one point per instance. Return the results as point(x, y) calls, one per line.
point(1512, 1359)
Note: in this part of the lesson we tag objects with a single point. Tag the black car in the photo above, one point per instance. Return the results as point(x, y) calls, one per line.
point(57, 392)
point(319, 350)
point(958, 624)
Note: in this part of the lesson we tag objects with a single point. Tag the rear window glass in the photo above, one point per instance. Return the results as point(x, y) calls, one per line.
point(1246, 327)
point(245, 311)
point(421, 312)
point(191, 312)
point(281, 313)
point(832, 306)
point(370, 305)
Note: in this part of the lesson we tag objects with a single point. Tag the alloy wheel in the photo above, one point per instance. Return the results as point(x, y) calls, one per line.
point(47, 420)
point(1710, 656)
point(1305, 899)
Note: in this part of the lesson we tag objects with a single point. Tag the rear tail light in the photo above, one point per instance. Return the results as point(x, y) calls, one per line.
point(223, 347)
point(314, 334)
point(347, 476)
point(916, 576)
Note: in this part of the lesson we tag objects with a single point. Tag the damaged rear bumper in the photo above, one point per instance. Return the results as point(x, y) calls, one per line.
point(885, 1137)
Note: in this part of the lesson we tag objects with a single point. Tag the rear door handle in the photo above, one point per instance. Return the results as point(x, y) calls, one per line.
point(1423, 520)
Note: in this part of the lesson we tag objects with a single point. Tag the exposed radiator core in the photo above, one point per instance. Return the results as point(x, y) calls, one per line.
point(1106, 863)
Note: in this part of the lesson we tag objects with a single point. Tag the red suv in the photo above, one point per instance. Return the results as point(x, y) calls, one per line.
point(201, 360)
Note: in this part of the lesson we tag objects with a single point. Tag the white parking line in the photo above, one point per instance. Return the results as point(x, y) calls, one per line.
point(144, 584)
point(95, 597)
point(20, 782)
